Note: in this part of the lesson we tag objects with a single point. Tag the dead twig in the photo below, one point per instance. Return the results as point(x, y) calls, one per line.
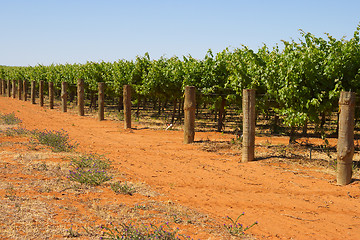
point(299, 218)
point(348, 193)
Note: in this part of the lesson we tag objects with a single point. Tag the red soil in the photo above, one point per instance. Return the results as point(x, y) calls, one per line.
point(289, 201)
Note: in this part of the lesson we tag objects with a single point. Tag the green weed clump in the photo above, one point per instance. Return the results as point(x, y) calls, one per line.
point(89, 170)
point(9, 119)
point(16, 132)
point(237, 229)
point(123, 188)
point(58, 141)
point(141, 232)
point(92, 177)
point(91, 161)
point(72, 233)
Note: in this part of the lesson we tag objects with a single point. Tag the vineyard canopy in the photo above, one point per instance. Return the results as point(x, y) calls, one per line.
point(299, 81)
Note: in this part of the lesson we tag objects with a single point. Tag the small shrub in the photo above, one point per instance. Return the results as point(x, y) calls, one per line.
point(123, 188)
point(72, 233)
point(59, 141)
point(141, 232)
point(10, 193)
point(89, 169)
point(16, 132)
point(142, 207)
point(120, 115)
point(91, 161)
point(90, 176)
point(9, 119)
point(237, 229)
point(42, 167)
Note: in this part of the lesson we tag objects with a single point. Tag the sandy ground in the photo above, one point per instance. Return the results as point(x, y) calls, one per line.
point(288, 200)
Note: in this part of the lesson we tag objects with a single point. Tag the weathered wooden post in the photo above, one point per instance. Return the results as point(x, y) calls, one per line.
point(248, 149)
point(25, 89)
point(32, 94)
point(51, 95)
point(345, 145)
point(101, 87)
point(80, 97)
point(64, 96)
point(127, 106)
point(3, 87)
point(189, 114)
point(13, 89)
point(41, 93)
point(8, 88)
point(19, 89)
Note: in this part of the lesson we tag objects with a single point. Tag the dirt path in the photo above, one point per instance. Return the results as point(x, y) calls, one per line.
point(288, 201)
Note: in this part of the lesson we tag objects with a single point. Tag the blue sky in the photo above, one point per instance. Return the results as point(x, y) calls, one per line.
point(75, 31)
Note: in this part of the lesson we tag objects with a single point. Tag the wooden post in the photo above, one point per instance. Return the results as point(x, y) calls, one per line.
point(3, 87)
point(345, 146)
point(64, 96)
point(41, 93)
point(127, 106)
point(248, 149)
point(19, 89)
point(51, 95)
point(32, 92)
point(13, 89)
point(101, 87)
point(189, 114)
point(8, 88)
point(80, 97)
point(25, 89)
